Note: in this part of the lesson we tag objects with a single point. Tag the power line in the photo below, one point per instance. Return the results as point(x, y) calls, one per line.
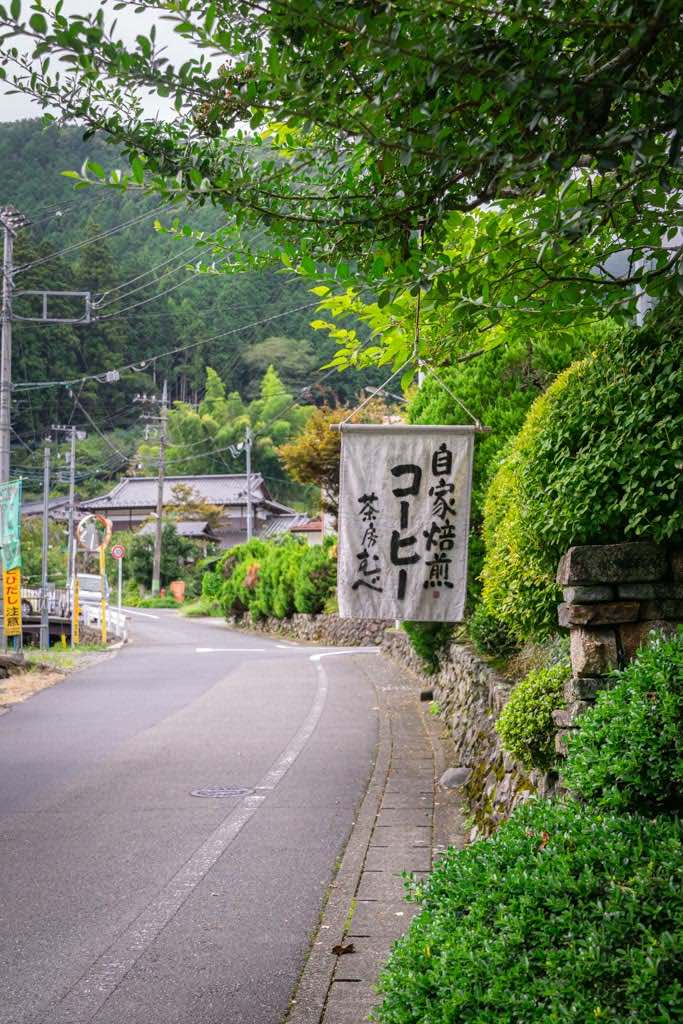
point(143, 302)
point(124, 284)
point(174, 270)
point(140, 364)
point(95, 238)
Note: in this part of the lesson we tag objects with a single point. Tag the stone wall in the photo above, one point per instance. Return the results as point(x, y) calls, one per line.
point(322, 629)
point(614, 595)
point(470, 696)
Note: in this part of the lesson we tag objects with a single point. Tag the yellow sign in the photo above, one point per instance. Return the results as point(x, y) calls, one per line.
point(75, 625)
point(12, 601)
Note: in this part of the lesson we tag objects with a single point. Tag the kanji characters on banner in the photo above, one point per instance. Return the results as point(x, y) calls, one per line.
point(404, 511)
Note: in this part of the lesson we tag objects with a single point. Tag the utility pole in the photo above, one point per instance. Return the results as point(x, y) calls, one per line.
point(44, 612)
point(74, 435)
point(71, 543)
point(10, 221)
point(156, 567)
point(250, 511)
point(235, 451)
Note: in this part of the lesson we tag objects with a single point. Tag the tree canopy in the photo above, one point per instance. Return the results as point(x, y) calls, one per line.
point(209, 438)
point(373, 139)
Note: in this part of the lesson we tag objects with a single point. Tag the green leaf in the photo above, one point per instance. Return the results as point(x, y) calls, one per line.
point(138, 169)
point(38, 23)
point(96, 169)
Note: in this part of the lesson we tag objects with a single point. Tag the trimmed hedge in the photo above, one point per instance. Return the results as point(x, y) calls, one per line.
point(628, 753)
point(565, 915)
point(499, 387)
point(597, 461)
point(525, 724)
point(272, 578)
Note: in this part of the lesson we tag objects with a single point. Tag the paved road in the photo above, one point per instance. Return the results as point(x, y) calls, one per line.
point(124, 898)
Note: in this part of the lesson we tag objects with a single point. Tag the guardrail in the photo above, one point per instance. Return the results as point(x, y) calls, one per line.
point(117, 624)
point(59, 607)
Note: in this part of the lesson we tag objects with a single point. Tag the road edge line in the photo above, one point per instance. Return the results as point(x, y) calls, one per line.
point(307, 1001)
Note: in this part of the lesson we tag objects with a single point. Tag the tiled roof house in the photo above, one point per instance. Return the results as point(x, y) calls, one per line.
point(134, 499)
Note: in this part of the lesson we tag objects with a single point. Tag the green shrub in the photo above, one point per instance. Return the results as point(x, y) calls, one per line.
point(628, 753)
point(158, 602)
point(200, 609)
point(565, 915)
point(488, 634)
point(525, 724)
point(429, 640)
point(274, 590)
point(272, 578)
point(316, 579)
point(597, 461)
point(226, 583)
point(498, 386)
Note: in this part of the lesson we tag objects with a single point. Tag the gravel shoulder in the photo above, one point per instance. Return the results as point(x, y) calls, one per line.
point(46, 668)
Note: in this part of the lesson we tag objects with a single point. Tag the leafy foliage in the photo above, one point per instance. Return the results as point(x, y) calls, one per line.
point(564, 915)
point(316, 578)
point(429, 640)
point(550, 134)
point(32, 548)
point(488, 634)
point(272, 578)
point(628, 753)
point(176, 554)
point(187, 504)
point(597, 461)
point(525, 724)
point(314, 456)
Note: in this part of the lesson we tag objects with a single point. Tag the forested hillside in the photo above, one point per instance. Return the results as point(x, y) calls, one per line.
point(146, 304)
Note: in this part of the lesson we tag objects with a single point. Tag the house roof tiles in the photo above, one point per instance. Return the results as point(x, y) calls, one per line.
point(141, 491)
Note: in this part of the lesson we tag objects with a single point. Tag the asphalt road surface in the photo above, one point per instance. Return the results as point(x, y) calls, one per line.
point(125, 897)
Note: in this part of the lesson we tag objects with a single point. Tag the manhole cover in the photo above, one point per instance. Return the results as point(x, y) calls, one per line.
point(219, 792)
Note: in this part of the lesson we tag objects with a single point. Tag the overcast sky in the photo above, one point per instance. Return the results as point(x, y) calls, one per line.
point(130, 24)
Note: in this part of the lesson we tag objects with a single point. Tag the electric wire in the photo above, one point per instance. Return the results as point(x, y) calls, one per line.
point(124, 284)
point(138, 365)
point(152, 298)
point(95, 238)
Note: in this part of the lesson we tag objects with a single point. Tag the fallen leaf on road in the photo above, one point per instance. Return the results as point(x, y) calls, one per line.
point(340, 949)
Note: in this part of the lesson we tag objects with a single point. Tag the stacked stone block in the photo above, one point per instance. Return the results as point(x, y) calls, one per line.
point(614, 596)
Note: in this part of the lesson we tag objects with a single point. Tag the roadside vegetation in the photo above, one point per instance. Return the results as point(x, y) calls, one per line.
point(273, 578)
point(573, 910)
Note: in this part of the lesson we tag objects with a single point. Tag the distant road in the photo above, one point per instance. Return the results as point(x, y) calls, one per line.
point(128, 900)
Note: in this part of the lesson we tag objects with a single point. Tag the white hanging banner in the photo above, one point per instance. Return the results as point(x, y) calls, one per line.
point(404, 511)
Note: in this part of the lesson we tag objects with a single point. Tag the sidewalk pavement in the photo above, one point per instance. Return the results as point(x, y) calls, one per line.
point(405, 820)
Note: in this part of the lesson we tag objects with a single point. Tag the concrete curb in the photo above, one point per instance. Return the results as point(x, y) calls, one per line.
point(406, 820)
point(309, 998)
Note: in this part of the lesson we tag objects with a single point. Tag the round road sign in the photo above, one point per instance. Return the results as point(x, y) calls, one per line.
point(94, 532)
point(118, 551)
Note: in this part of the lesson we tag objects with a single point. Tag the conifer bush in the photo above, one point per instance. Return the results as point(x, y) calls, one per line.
point(316, 578)
point(273, 578)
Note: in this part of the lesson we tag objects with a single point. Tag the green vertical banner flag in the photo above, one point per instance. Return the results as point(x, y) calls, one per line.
point(10, 524)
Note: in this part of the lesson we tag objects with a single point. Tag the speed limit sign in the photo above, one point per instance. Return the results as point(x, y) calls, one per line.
point(118, 551)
